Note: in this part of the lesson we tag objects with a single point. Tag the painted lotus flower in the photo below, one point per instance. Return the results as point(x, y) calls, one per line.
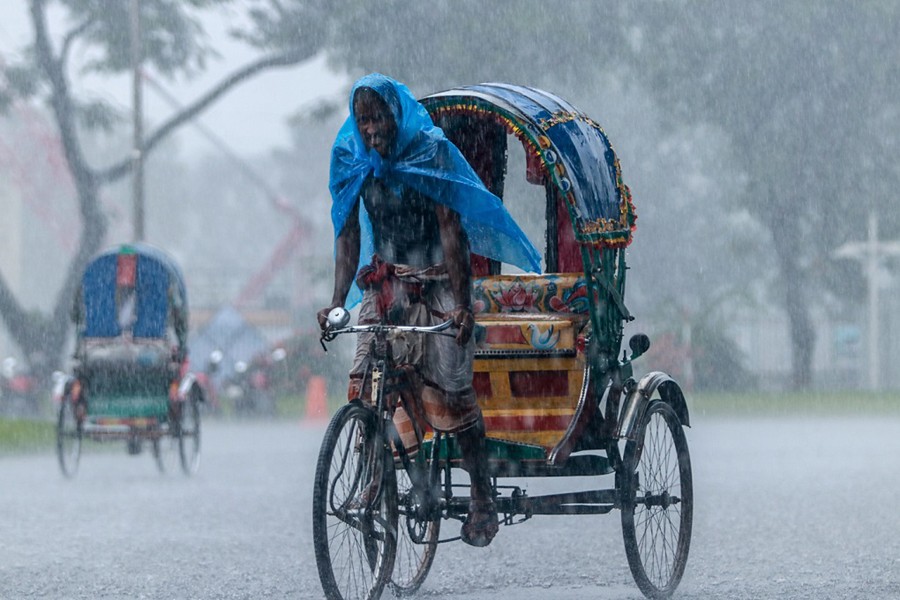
point(517, 298)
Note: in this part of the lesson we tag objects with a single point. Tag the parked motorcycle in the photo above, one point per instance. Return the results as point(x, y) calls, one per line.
point(249, 388)
point(20, 392)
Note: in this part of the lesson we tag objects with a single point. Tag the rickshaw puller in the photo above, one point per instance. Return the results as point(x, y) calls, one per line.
point(417, 195)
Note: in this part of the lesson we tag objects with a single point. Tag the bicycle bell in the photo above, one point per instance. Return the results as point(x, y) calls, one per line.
point(338, 317)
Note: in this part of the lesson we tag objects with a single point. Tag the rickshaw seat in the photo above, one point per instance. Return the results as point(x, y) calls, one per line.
point(529, 313)
point(529, 366)
point(127, 377)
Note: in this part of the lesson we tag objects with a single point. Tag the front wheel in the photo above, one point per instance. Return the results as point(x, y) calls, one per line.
point(68, 438)
point(167, 442)
point(189, 435)
point(354, 507)
point(657, 502)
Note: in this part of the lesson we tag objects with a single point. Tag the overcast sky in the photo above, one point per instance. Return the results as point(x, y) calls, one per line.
point(250, 119)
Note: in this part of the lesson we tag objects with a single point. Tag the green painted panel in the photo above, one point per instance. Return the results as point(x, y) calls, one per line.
point(496, 449)
point(129, 406)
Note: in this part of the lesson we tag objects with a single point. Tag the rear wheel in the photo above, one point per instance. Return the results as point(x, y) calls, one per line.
point(416, 540)
point(166, 443)
point(189, 435)
point(657, 502)
point(354, 508)
point(68, 438)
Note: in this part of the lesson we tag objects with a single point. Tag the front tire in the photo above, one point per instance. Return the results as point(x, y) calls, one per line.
point(166, 440)
point(68, 438)
point(354, 532)
point(189, 435)
point(657, 501)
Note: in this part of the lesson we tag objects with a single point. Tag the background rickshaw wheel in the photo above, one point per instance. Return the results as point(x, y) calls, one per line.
point(167, 445)
point(657, 502)
point(416, 542)
point(68, 438)
point(354, 546)
point(189, 435)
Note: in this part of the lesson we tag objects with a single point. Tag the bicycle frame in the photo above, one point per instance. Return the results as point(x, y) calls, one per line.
point(387, 380)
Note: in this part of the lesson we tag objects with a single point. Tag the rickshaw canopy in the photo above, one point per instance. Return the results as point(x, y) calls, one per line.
point(564, 147)
point(138, 271)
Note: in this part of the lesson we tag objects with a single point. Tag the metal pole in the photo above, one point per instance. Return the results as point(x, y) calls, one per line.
point(136, 154)
point(872, 272)
point(869, 253)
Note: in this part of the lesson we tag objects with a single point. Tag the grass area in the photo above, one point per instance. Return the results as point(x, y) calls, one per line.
point(18, 436)
point(795, 403)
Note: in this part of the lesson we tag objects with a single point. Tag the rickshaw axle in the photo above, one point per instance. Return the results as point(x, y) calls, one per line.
point(518, 503)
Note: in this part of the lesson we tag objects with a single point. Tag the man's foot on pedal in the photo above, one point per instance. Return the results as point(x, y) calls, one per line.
point(481, 525)
point(365, 498)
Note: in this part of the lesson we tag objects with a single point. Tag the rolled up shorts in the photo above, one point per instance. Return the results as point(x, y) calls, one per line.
point(444, 365)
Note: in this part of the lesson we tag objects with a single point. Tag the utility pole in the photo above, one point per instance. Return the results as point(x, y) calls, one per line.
point(137, 158)
point(870, 252)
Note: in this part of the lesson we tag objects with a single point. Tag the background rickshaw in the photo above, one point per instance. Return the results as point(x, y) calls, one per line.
point(130, 378)
point(557, 391)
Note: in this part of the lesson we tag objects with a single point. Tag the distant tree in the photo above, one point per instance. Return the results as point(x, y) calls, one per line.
point(809, 100)
point(281, 34)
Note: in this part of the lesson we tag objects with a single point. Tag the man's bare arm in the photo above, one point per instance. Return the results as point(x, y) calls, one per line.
point(346, 260)
point(459, 269)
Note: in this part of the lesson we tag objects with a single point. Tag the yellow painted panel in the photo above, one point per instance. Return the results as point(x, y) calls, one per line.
point(500, 385)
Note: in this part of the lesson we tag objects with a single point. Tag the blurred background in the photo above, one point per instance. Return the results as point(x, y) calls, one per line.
point(760, 143)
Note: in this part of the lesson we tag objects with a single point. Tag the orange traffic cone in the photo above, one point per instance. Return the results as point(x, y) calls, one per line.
point(316, 398)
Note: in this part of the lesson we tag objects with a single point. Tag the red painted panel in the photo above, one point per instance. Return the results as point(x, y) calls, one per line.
point(526, 423)
point(568, 251)
point(538, 384)
point(126, 270)
point(481, 266)
point(504, 334)
point(482, 384)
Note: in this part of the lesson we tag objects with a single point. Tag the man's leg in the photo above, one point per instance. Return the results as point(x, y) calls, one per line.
point(459, 412)
point(481, 523)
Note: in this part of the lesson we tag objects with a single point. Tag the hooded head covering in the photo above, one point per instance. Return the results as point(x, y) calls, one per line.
point(424, 159)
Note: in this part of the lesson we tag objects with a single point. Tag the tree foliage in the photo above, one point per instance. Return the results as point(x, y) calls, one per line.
point(805, 94)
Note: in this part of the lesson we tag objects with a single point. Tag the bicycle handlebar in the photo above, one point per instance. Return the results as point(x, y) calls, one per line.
point(339, 317)
point(330, 333)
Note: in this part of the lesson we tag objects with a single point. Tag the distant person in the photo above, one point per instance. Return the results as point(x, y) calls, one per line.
point(406, 201)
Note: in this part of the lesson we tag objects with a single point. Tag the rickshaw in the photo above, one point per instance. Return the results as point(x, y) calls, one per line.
point(130, 378)
point(557, 391)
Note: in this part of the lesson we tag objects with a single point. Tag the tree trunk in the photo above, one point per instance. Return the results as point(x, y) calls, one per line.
point(786, 236)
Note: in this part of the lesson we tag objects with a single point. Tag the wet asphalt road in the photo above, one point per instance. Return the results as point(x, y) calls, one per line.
point(796, 507)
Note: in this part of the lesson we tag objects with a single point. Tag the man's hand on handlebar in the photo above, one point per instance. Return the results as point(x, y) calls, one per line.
point(322, 316)
point(465, 321)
